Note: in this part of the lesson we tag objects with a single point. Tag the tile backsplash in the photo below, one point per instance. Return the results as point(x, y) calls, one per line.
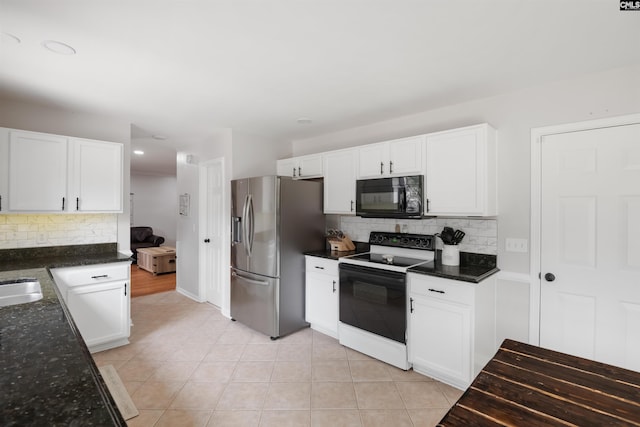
point(28, 231)
point(481, 234)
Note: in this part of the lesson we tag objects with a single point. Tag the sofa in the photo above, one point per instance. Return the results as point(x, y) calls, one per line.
point(143, 237)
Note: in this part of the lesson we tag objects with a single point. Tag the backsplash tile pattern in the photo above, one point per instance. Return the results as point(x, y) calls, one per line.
point(28, 231)
point(481, 234)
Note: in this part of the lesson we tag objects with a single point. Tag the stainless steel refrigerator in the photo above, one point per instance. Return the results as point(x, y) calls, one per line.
point(274, 221)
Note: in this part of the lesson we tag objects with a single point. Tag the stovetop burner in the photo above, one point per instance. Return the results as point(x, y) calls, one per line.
point(388, 259)
point(395, 251)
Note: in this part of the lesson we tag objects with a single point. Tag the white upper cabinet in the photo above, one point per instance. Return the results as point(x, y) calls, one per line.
point(37, 172)
point(302, 167)
point(96, 175)
point(52, 173)
point(460, 175)
point(391, 158)
point(340, 182)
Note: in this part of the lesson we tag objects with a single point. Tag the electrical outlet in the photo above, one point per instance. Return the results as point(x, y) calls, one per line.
point(42, 237)
point(516, 245)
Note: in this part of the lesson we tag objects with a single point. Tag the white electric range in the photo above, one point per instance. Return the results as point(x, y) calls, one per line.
point(373, 294)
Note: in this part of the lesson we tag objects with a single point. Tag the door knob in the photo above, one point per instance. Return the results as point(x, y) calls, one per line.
point(549, 277)
point(207, 240)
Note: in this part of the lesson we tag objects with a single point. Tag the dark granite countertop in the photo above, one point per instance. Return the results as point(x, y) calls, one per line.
point(47, 375)
point(473, 267)
point(335, 255)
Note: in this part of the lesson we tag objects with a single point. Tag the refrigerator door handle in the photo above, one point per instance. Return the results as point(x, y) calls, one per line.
point(250, 214)
point(245, 226)
point(252, 281)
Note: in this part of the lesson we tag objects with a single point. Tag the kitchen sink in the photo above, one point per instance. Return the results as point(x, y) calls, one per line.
point(19, 291)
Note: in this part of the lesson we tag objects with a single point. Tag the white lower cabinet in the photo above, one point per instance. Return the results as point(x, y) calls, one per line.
point(98, 298)
point(322, 293)
point(451, 327)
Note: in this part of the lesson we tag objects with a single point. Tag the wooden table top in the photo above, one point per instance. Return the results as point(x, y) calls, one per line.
point(158, 250)
point(525, 385)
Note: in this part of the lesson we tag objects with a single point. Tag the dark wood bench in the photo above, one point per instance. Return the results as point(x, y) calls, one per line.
point(525, 385)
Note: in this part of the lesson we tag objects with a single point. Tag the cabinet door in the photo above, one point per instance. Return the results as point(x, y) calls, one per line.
point(37, 172)
point(372, 161)
point(460, 172)
point(322, 302)
point(440, 339)
point(286, 167)
point(100, 311)
point(310, 166)
point(96, 176)
point(340, 182)
point(405, 156)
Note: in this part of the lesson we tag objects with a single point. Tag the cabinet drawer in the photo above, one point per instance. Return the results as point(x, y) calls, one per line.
point(90, 274)
point(321, 265)
point(442, 289)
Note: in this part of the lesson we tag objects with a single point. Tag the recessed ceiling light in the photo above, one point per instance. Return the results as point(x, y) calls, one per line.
point(11, 38)
point(159, 137)
point(58, 47)
point(138, 152)
point(304, 121)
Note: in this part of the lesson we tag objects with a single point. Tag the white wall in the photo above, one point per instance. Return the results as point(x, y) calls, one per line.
point(256, 156)
point(611, 93)
point(39, 118)
point(155, 204)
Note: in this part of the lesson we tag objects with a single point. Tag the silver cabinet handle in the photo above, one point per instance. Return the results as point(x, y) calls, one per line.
point(102, 276)
point(299, 172)
point(352, 206)
point(294, 172)
point(381, 168)
point(436, 290)
point(390, 167)
point(334, 286)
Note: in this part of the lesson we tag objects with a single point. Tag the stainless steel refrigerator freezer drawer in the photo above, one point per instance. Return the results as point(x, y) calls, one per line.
point(254, 301)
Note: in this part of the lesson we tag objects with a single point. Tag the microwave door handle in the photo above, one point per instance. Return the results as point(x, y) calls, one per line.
point(403, 199)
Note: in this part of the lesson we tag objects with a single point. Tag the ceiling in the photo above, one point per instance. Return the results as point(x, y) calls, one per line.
point(183, 68)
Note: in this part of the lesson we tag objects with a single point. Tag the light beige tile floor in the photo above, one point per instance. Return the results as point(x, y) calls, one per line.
point(188, 365)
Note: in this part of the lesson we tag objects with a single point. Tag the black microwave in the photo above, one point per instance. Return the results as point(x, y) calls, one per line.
point(399, 197)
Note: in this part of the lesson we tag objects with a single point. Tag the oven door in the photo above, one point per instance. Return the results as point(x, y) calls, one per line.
point(374, 300)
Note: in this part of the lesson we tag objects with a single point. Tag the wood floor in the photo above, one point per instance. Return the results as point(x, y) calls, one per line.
point(145, 283)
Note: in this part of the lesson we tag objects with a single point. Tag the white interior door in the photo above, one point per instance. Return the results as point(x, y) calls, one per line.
point(590, 244)
point(212, 265)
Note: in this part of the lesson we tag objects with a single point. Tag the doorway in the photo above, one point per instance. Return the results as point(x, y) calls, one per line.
point(586, 239)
